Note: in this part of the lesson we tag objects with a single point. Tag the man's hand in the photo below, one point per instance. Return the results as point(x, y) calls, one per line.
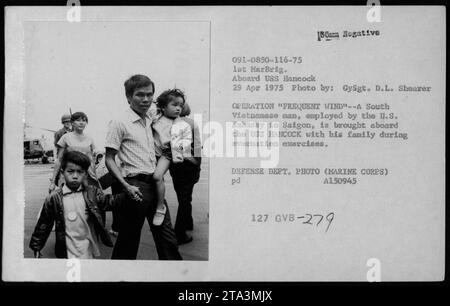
point(37, 254)
point(110, 162)
point(134, 193)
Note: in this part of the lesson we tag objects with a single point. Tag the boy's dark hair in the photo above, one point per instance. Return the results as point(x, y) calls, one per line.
point(78, 115)
point(167, 96)
point(135, 82)
point(76, 158)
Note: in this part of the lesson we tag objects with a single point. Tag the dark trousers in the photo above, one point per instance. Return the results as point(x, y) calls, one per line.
point(132, 217)
point(116, 188)
point(184, 176)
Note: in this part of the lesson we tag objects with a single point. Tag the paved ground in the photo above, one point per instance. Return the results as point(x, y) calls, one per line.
point(36, 184)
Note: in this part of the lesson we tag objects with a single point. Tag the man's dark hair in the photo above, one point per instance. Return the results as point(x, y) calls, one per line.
point(76, 158)
point(167, 96)
point(78, 115)
point(135, 82)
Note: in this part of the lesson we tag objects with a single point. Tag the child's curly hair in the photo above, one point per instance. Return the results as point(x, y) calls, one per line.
point(164, 98)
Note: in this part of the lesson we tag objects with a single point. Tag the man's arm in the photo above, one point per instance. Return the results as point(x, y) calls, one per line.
point(197, 146)
point(188, 143)
point(107, 202)
point(57, 168)
point(110, 163)
point(57, 137)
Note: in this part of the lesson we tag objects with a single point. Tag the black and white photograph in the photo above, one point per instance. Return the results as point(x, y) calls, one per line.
point(224, 144)
point(123, 94)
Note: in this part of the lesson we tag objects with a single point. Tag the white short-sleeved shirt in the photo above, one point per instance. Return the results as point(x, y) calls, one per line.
point(133, 139)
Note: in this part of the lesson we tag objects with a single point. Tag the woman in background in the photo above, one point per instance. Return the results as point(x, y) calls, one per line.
point(76, 140)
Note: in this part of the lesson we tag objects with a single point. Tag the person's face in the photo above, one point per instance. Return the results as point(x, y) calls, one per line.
point(74, 175)
point(174, 107)
point(79, 124)
point(141, 99)
point(67, 125)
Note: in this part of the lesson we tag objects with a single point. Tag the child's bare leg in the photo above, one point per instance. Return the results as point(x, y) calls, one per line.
point(161, 169)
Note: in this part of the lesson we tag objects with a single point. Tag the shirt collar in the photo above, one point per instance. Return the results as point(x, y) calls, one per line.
point(66, 190)
point(135, 117)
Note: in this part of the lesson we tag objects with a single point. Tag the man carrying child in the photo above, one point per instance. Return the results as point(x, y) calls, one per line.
point(130, 136)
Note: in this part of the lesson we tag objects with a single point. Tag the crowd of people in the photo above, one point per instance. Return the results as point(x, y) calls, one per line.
point(142, 144)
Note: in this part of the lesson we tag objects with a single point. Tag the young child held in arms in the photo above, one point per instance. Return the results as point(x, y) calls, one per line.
point(75, 210)
point(172, 142)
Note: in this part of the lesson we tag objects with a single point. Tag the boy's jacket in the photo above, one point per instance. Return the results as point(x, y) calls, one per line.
point(53, 212)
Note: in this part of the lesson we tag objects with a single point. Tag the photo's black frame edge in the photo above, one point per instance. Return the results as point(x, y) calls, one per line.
point(217, 3)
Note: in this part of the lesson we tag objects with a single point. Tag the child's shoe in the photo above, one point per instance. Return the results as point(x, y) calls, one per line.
point(158, 218)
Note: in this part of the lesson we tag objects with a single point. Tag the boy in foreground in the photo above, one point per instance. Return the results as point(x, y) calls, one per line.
point(75, 210)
